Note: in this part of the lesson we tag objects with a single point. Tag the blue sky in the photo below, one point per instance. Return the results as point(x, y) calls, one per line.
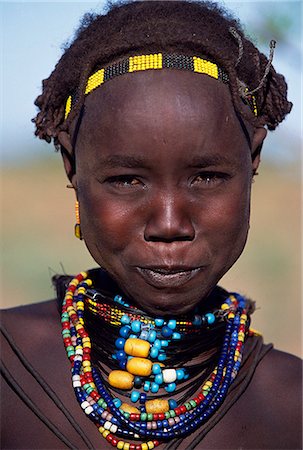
point(31, 37)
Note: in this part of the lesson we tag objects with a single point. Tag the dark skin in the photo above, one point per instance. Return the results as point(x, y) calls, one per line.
point(163, 177)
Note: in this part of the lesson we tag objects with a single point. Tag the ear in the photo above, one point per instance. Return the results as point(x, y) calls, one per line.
point(68, 157)
point(256, 147)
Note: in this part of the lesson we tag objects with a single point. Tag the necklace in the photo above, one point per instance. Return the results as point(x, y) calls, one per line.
point(159, 419)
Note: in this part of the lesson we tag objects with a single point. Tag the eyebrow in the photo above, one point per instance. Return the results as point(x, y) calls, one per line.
point(209, 161)
point(135, 162)
point(128, 161)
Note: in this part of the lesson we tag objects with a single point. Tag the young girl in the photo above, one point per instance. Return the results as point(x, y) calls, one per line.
point(160, 110)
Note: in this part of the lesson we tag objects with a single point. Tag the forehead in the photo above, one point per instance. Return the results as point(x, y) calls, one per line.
point(158, 105)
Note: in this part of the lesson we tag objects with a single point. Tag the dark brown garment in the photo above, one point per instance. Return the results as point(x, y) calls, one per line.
point(262, 410)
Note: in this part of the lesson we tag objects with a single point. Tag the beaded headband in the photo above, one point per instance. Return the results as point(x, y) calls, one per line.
point(155, 62)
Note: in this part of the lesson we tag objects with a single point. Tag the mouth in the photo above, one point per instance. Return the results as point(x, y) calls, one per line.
point(160, 277)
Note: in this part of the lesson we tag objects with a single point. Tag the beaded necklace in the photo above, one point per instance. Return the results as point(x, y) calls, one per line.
point(158, 420)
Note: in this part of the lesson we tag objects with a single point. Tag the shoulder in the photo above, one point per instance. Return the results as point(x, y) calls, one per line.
point(279, 367)
point(27, 315)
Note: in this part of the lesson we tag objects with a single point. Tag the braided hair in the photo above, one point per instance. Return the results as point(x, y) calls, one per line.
point(129, 28)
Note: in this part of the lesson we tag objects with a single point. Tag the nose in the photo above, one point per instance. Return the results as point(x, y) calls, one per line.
point(169, 220)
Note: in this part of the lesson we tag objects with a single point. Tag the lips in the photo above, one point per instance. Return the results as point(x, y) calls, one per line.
point(161, 277)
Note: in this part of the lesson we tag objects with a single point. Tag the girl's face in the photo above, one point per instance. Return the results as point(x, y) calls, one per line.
point(163, 172)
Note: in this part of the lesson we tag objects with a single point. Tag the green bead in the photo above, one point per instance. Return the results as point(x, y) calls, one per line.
point(172, 413)
point(89, 389)
point(149, 417)
point(143, 417)
point(70, 353)
point(100, 401)
point(193, 403)
point(205, 393)
point(187, 406)
point(126, 414)
point(69, 348)
point(167, 415)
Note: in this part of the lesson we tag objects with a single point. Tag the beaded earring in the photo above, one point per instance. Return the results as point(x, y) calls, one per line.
point(78, 233)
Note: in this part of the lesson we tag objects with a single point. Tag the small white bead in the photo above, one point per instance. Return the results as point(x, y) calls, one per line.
point(76, 384)
point(79, 351)
point(78, 358)
point(88, 410)
point(169, 375)
point(113, 428)
point(84, 405)
point(76, 378)
point(104, 414)
point(107, 425)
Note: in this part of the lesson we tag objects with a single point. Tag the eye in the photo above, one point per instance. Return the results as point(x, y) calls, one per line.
point(209, 179)
point(125, 181)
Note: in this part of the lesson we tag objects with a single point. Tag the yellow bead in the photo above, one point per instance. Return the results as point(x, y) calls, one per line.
point(129, 408)
point(121, 379)
point(120, 445)
point(139, 366)
point(137, 347)
point(150, 444)
point(126, 446)
point(156, 406)
point(144, 446)
point(224, 306)
point(105, 433)
point(101, 429)
point(86, 364)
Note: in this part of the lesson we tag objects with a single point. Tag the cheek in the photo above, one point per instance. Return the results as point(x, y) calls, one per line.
point(106, 224)
point(228, 220)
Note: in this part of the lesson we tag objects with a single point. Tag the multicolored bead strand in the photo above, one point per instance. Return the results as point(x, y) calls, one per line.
point(162, 419)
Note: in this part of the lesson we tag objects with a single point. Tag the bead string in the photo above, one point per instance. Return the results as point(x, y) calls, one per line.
point(157, 61)
point(113, 421)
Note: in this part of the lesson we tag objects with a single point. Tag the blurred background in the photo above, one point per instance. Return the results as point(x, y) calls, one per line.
point(37, 211)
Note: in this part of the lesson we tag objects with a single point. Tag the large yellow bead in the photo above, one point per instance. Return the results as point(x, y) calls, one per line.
point(137, 347)
point(121, 379)
point(156, 406)
point(139, 366)
point(129, 408)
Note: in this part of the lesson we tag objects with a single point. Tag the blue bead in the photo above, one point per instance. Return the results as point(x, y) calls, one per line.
point(154, 388)
point(162, 357)
point(159, 322)
point(144, 335)
point(172, 324)
point(142, 398)
point(154, 352)
point(171, 387)
point(180, 374)
point(133, 336)
point(176, 335)
point(125, 320)
point(117, 402)
point(135, 395)
point(159, 378)
point(118, 299)
point(186, 376)
point(210, 318)
point(152, 336)
point(137, 382)
point(136, 326)
point(121, 355)
point(122, 364)
point(157, 344)
point(146, 386)
point(172, 403)
point(120, 342)
point(156, 369)
point(197, 320)
point(164, 343)
point(166, 332)
point(124, 331)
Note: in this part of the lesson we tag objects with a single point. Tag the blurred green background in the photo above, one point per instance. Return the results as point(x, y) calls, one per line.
point(37, 215)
